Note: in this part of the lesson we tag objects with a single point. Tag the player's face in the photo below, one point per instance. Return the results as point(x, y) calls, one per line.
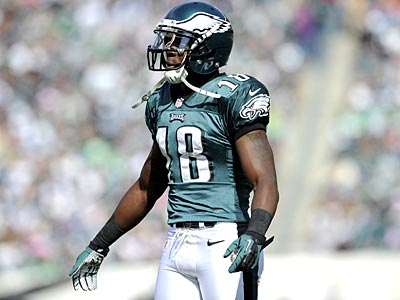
point(175, 48)
point(173, 58)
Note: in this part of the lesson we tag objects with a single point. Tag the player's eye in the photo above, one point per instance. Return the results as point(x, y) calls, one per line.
point(175, 42)
point(172, 41)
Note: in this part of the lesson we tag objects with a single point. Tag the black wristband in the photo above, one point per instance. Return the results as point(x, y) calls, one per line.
point(106, 236)
point(259, 221)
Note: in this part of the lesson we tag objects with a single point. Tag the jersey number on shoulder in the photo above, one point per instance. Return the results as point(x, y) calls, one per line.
point(232, 85)
point(193, 164)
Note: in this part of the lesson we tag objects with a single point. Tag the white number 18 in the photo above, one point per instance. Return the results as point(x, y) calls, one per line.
point(193, 164)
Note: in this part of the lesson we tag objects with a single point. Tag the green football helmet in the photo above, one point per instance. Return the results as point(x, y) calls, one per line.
point(199, 32)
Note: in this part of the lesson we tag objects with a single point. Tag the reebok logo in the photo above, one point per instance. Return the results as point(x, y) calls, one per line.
point(210, 243)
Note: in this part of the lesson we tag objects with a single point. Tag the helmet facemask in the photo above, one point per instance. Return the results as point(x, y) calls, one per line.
point(169, 50)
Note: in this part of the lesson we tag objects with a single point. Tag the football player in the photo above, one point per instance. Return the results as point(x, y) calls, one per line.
point(210, 147)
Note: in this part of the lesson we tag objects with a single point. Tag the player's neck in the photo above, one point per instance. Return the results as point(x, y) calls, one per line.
point(182, 91)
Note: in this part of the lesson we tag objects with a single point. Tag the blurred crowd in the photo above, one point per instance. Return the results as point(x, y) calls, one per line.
point(360, 207)
point(70, 144)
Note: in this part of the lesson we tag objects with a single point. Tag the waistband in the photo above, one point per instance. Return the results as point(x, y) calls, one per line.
point(194, 224)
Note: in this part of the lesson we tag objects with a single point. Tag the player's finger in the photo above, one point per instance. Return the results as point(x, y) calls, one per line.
point(234, 266)
point(228, 252)
point(75, 282)
point(88, 276)
point(255, 263)
point(236, 263)
point(82, 282)
point(248, 261)
point(91, 280)
point(230, 249)
point(88, 281)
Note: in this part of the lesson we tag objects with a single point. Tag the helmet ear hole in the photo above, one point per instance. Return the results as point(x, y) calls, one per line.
point(202, 52)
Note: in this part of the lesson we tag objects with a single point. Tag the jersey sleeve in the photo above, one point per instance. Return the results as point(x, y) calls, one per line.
point(150, 118)
point(247, 108)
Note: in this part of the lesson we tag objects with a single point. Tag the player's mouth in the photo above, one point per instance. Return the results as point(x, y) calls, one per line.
point(173, 59)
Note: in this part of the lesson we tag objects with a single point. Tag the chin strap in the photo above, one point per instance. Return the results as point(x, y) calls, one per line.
point(179, 75)
point(175, 77)
point(199, 90)
point(146, 96)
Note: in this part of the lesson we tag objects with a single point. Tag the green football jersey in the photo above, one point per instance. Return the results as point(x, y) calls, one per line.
point(197, 136)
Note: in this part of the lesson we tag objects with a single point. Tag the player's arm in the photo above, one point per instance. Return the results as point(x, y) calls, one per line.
point(257, 160)
point(132, 208)
point(140, 198)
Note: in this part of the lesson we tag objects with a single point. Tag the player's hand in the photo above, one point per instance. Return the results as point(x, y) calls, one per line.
point(84, 271)
point(245, 251)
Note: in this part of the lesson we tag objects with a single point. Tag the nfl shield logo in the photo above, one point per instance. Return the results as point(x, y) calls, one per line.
point(179, 102)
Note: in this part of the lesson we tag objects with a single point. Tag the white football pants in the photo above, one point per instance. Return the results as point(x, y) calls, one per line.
point(190, 268)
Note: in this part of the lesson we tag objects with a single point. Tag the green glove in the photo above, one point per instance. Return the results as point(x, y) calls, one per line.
point(84, 271)
point(245, 251)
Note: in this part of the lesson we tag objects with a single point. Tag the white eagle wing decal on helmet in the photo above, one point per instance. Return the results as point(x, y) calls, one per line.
point(199, 23)
point(256, 107)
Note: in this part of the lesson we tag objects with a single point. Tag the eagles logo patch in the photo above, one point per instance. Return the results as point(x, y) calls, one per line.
point(179, 117)
point(256, 107)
